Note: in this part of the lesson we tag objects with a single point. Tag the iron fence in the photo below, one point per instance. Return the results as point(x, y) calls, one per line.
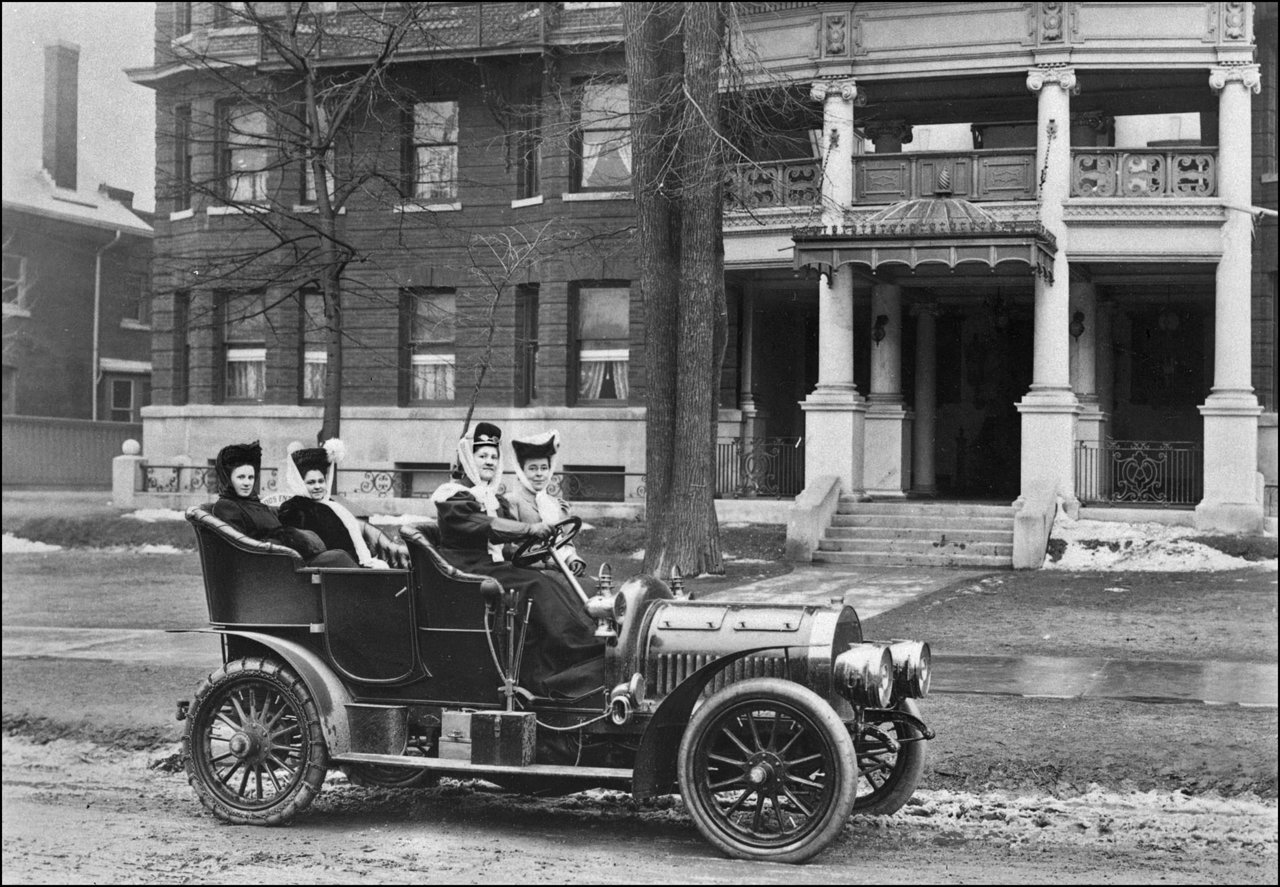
point(1139, 472)
point(195, 479)
point(764, 467)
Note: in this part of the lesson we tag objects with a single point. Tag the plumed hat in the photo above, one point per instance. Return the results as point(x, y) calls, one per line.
point(486, 434)
point(535, 446)
point(318, 458)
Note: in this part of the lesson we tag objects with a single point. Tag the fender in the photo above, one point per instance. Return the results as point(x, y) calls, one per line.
point(655, 765)
point(328, 691)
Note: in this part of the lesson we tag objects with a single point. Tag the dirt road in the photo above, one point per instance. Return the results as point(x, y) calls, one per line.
point(80, 813)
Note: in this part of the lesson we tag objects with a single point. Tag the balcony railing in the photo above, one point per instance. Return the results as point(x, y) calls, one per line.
point(1000, 174)
point(1140, 472)
point(1108, 172)
point(754, 186)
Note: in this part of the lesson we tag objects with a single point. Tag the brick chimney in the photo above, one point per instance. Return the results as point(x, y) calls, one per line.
point(61, 98)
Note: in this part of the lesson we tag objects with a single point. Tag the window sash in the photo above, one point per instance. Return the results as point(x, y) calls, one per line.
point(182, 154)
point(432, 377)
point(246, 153)
point(434, 155)
point(314, 365)
point(246, 373)
point(434, 319)
point(15, 279)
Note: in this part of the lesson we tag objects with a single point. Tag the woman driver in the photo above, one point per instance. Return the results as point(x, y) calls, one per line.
point(537, 458)
point(562, 656)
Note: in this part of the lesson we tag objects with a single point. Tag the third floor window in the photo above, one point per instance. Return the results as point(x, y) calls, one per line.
point(430, 156)
point(244, 153)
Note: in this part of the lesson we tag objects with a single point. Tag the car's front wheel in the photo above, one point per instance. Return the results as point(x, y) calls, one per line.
point(254, 748)
point(888, 778)
point(767, 771)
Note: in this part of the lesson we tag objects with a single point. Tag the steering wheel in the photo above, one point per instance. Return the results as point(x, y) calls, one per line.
point(533, 550)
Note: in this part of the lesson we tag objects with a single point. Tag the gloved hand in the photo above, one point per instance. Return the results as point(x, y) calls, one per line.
point(541, 530)
point(577, 566)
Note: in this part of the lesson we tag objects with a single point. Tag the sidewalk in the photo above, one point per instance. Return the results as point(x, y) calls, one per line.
point(869, 590)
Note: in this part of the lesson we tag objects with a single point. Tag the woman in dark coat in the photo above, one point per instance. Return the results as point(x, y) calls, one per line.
point(309, 477)
point(237, 468)
point(562, 658)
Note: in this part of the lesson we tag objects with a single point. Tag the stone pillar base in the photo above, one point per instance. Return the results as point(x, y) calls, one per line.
point(1092, 424)
point(834, 431)
point(887, 462)
point(1231, 501)
point(1048, 445)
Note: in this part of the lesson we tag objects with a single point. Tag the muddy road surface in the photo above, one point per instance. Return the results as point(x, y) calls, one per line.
point(76, 812)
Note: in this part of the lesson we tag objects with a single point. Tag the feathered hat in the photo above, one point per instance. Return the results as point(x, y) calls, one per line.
point(232, 457)
point(536, 446)
point(486, 434)
point(323, 459)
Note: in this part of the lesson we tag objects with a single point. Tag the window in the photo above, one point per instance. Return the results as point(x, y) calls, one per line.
point(604, 340)
point(529, 152)
point(244, 153)
point(225, 14)
point(182, 154)
point(121, 404)
point(181, 19)
point(138, 300)
point(245, 338)
point(182, 336)
point(315, 343)
point(526, 382)
point(431, 152)
point(429, 330)
point(603, 137)
point(308, 173)
point(15, 282)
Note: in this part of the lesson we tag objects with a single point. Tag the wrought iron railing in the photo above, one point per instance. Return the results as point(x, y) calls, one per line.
point(194, 479)
point(1139, 472)
point(1107, 172)
point(766, 467)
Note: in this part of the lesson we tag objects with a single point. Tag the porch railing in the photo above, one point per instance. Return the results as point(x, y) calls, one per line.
point(1107, 172)
point(992, 174)
point(755, 186)
point(1139, 472)
point(765, 467)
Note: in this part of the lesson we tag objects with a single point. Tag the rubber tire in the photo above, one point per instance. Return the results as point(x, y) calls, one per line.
point(383, 776)
point(833, 730)
point(905, 777)
point(271, 675)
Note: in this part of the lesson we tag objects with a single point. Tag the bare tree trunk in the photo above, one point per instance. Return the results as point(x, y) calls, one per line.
point(653, 72)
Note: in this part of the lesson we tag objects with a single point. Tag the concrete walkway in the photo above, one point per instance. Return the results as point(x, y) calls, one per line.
point(870, 590)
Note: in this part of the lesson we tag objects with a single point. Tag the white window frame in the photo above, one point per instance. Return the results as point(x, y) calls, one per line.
point(238, 355)
point(438, 190)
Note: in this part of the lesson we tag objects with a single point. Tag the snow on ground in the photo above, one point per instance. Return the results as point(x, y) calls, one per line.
point(17, 545)
point(1093, 545)
point(398, 519)
point(151, 515)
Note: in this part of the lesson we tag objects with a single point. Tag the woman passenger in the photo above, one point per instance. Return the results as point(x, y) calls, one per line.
point(537, 459)
point(309, 477)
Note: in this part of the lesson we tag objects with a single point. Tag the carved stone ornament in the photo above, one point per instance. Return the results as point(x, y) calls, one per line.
point(1063, 77)
point(1233, 20)
point(827, 89)
point(836, 29)
point(1051, 15)
point(1248, 76)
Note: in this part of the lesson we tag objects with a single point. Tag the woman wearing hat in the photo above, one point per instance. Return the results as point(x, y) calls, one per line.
point(309, 477)
point(537, 461)
point(562, 656)
point(238, 467)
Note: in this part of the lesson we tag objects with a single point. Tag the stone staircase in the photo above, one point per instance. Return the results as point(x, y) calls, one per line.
point(914, 533)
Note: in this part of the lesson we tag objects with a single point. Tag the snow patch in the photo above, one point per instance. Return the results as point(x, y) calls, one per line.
point(17, 545)
point(1102, 546)
point(398, 519)
point(151, 515)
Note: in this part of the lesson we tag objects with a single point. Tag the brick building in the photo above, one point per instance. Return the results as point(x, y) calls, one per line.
point(1066, 287)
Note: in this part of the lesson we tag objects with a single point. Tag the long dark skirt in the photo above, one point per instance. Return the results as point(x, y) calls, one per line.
point(563, 659)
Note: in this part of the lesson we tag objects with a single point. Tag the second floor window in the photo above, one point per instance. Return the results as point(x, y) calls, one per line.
point(431, 152)
point(181, 19)
point(244, 153)
point(182, 154)
point(138, 299)
point(528, 143)
point(229, 14)
point(245, 341)
point(603, 156)
point(431, 323)
point(603, 343)
point(315, 344)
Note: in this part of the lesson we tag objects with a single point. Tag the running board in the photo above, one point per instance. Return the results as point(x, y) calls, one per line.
point(611, 776)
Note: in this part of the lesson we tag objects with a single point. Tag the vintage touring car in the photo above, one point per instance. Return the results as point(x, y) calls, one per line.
point(774, 722)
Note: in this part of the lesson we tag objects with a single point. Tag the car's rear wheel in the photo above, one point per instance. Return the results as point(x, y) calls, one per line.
point(254, 749)
point(886, 778)
point(767, 771)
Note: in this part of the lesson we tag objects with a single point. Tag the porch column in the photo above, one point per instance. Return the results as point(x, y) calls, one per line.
point(924, 431)
point(1049, 409)
point(1231, 494)
point(887, 462)
point(1104, 360)
point(835, 413)
point(752, 417)
point(1084, 377)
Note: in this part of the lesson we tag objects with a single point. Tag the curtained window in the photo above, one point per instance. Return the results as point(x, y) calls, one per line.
point(604, 340)
point(244, 153)
point(603, 138)
point(315, 344)
point(245, 337)
point(431, 156)
point(432, 318)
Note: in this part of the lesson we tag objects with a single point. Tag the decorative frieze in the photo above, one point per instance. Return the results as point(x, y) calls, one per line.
point(1051, 22)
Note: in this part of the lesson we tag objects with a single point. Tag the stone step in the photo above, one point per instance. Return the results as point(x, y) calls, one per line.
point(948, 523)
point(897, 547)
point(867, 559)
point(848, 505)
point(921, 534)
